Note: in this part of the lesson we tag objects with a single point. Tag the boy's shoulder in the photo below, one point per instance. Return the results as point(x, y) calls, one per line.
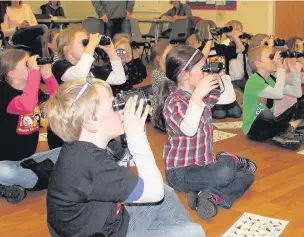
point(83, 155)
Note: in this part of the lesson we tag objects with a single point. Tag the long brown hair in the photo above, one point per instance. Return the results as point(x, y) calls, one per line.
point(46, 39)
point(176, 60)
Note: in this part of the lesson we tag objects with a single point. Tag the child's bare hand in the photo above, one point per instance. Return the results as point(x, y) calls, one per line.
point(110, 51)
point(32, 62)
point(205, 86)
point(135, 119)
point(278, 59)
point(46, 71)
point(292, 64)
point(94, 40)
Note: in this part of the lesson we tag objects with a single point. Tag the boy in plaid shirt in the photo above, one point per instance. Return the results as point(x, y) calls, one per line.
point(191, 166)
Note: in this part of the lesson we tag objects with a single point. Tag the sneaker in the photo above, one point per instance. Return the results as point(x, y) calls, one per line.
point(206, 205)
point(299, 136)
point(246, 164)
point(203, 203)
point(13, 194)
point(242, 163)
point(287, 140)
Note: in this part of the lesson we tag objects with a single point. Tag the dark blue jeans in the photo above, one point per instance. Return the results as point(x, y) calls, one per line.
point(232, 110)
point(221, 178)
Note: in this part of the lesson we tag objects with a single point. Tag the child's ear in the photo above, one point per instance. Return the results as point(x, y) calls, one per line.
point(11, 74)
point(90, 125)
point(66, 50)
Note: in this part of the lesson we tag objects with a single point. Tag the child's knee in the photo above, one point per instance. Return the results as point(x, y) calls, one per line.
point(224, 175)
point(219, 114)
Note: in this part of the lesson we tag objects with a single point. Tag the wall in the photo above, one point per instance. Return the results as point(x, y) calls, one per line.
point(256, 16)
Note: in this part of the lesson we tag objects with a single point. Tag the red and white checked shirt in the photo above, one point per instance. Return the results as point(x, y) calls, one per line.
point(181, 150)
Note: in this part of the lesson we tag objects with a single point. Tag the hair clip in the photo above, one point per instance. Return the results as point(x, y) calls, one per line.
point(88, 83)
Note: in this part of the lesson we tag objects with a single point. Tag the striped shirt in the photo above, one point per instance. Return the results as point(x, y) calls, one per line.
point(181, 150)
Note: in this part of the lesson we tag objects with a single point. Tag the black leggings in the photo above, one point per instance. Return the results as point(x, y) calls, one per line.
point(267, 126)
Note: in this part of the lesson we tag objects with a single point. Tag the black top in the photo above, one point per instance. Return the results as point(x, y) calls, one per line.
point(221, 50)
point(54, 12)
point(85, 189)
point(19, 133)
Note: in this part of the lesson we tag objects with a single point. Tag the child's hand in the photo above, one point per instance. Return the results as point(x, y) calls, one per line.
point(110, 51)
point(278, 59)
point(32, 62)
point(94, 40)
point(46, 71)
point(205, 86)
point(291, 63)
point(135, 119)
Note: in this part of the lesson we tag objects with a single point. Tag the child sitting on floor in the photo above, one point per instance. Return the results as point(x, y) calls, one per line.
point(87, 181)
point(259, 122)
point(190, 163)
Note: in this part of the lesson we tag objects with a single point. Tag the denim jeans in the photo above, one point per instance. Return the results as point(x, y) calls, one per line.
point(221, 178)
point(166, 219)
point(11, 173)
point(220, 112)
point(31, 37)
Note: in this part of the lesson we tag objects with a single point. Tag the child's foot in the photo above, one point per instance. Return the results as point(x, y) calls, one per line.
point(287, 139)
point(13, 194)
point(204, 203)
point(242, 163)
point(246, 164)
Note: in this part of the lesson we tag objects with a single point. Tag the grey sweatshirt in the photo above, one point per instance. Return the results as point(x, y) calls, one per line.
point(113, 9)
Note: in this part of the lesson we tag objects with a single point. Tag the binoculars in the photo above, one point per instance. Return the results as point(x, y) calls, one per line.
point(45, 60)
point(288, 54)
point(221, 30)
point(104, 40)
point(277, 42)
point(213, 67)
point(122, 97)
point(245, 36)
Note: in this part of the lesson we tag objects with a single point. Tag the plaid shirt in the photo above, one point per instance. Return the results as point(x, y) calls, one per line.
point(181, 150)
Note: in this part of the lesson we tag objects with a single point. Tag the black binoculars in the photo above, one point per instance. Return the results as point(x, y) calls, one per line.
point(245, 36)
point(288, 54)
point(45, 60)
point(221, 30)
point(213, 67)
point(104, 40)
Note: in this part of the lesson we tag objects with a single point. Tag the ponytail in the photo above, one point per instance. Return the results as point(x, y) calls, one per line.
point(158, 115)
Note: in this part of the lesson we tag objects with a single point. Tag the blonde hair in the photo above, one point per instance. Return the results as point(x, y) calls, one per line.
point(123, 43)
point(256, 40)
point(66, 38)
point(255, 54)
point(235, 24)
point(66, 121)
point(119, 36)
point(9, 60)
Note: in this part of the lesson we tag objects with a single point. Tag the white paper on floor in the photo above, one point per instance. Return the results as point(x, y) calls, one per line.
point(42, 137)
point(301, 152)
point(252, 225)
point(220, 135)
point(229, 125)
